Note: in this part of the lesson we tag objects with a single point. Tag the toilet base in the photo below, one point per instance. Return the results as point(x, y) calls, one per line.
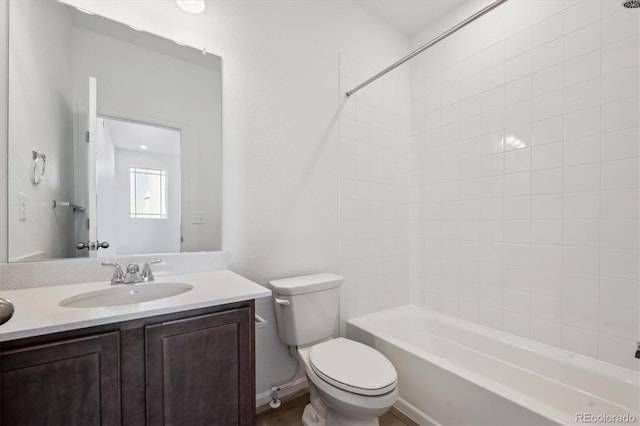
point(310, 417)
point(336, 418)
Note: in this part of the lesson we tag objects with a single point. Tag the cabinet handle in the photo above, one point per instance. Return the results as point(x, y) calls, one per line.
point(283, 302)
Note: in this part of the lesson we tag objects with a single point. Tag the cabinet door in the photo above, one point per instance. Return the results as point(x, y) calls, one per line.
point(200, 370)
point(70, 382)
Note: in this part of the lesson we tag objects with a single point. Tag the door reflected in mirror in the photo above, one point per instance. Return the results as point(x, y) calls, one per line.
point(130, 124)
point(138, 182)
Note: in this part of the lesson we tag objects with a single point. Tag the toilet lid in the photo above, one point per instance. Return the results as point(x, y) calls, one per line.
point(353, 367)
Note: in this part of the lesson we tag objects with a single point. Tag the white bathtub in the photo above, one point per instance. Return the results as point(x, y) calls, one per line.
point(454, 372)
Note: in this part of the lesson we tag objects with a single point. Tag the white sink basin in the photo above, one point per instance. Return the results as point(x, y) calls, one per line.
point(125, 294)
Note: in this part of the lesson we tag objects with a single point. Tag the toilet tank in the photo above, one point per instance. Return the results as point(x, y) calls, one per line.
point(306, 307)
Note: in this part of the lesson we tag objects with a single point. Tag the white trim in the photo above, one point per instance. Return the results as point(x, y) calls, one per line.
point(4, 128)
point(414, 414)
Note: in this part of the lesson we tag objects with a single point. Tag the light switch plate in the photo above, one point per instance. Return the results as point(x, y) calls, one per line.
point(197, 218)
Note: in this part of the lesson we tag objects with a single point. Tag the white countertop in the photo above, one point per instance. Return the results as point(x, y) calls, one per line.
point(37, 310)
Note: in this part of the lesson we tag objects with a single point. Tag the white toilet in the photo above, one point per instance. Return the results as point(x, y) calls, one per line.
point(351, 383)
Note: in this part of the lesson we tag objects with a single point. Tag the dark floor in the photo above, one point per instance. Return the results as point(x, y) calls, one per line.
point(290, 413)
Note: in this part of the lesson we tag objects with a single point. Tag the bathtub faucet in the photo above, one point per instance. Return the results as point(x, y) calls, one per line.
point(638, 351)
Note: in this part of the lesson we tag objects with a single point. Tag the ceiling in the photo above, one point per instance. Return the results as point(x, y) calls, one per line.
point(130, 136)
point(410, 16)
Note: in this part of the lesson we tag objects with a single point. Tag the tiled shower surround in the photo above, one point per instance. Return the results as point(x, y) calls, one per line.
point(375, 180)
point(523, 187)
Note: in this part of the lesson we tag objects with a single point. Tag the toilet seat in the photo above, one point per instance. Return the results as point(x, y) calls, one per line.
point(353, 367)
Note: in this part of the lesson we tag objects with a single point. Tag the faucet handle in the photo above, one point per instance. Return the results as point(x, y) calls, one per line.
point(118, 275)
point(147, 275)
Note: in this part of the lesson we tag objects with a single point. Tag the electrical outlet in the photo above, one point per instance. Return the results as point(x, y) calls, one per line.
point(22, 206)
point(197, 218)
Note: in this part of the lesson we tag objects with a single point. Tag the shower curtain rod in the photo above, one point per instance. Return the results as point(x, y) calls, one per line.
point(428, 45)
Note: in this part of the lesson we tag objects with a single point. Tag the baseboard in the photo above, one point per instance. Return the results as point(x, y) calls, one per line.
point(411, 413)
point(298, 388)
point(402, 416)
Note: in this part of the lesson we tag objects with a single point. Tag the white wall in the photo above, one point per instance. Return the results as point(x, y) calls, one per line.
point(525, 180)
point(40, 120)
point(280, 125)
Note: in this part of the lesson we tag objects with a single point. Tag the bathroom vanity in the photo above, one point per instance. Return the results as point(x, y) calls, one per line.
point(188, 359)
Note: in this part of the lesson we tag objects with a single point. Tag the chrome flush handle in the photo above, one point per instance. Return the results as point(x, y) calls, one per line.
point(283, 302)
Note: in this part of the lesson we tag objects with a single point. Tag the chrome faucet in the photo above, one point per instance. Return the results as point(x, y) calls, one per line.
point(638, 351)
point(133, 275)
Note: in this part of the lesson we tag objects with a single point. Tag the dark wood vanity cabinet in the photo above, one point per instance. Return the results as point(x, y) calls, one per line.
point(198, 356)
point(67, 382)
point(189, 368)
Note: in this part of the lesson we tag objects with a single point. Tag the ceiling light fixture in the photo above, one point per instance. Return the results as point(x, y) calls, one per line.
point(191, 6)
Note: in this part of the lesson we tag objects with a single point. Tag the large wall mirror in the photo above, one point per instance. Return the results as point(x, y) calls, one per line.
point(114, 138)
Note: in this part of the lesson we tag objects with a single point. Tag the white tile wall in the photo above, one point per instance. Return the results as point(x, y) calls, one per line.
point(375, 179)
point(524, 180)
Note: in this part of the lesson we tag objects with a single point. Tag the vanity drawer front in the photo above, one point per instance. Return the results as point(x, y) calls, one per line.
point(68, 382)
point(200, 370)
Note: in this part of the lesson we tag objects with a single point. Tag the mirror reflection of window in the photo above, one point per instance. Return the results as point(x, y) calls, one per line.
point(148, 193)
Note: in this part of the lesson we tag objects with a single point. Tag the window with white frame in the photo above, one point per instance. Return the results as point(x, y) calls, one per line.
point(148, 193)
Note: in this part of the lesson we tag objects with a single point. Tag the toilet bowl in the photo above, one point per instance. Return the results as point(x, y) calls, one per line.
point(355, 383)
point(350, 383)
